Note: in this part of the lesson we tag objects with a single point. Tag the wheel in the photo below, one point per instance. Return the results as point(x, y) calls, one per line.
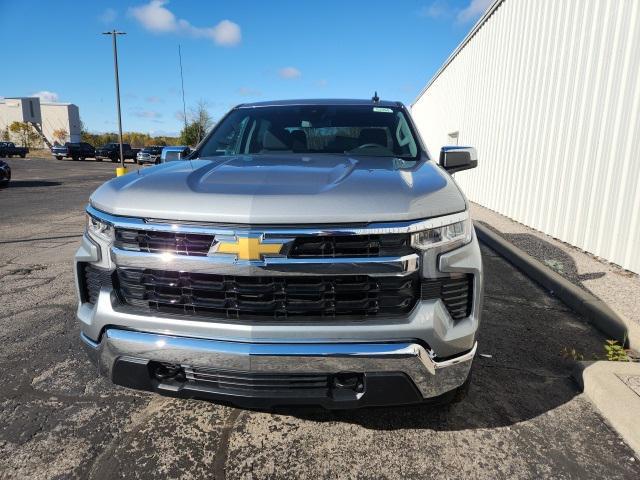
point(23, 155)
point(83, 158)
point(75, 159)
point(98, 159)
point(58, 157)
point(114, 160)
point(157, 162)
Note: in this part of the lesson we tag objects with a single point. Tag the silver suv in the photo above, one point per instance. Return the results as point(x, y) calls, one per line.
point(309, 252)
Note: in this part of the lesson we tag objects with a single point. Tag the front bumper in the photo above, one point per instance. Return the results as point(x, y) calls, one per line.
point(387, 373)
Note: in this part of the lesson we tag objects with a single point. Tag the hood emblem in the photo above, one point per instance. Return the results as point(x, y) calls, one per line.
point(246, 248)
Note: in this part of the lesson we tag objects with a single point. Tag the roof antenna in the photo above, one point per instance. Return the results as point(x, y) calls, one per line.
point(375, 98)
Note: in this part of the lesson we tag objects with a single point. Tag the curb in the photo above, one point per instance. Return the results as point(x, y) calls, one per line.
point(618, 404)
point(594, 310)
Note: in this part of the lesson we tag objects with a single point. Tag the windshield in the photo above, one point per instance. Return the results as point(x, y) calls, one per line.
point(339, 129)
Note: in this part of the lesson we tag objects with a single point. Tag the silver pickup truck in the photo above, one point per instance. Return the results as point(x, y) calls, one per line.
point(307, 252)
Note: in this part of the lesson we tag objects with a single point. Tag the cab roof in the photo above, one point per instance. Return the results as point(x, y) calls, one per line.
point(321, 101)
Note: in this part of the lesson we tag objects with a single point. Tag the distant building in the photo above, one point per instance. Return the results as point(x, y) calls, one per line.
point(45, 117)
point(60, 115)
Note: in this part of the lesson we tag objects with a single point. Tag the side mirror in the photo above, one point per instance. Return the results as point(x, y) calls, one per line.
point(454, 159)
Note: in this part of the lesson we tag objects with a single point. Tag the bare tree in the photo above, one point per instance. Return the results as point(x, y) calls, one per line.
point(201, 119)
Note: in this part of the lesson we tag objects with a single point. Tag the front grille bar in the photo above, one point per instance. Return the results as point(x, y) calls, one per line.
point(228, 265)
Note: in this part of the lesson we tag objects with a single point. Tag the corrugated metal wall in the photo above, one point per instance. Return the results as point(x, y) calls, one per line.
point(548, 91)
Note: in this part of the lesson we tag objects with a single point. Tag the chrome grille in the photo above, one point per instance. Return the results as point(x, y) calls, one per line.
point(279, 297)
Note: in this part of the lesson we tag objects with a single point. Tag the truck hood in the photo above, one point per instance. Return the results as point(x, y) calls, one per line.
point(283, 189)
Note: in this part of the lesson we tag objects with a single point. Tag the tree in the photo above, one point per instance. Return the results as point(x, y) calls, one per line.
point(60, 135)
point(25, 132)
point(200, 122)
point(5, 135)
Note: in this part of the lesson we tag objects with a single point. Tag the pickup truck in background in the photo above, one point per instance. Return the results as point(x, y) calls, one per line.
point(9, 149)
point(149, 155)
point(73, 150)
point(111, 151)
point(309, 252)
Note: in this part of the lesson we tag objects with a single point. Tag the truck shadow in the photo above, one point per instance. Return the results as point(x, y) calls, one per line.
point(31, 183)
point(522, 370)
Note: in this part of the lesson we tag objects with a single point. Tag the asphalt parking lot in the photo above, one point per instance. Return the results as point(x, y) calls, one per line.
point(524, 417)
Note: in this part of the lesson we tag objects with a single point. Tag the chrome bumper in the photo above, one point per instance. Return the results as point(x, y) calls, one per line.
point(431, 377)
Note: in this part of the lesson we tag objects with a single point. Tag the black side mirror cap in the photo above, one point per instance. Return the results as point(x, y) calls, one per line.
point(454, 159)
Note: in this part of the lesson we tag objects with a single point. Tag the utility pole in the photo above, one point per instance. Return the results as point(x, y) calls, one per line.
point(184, 105)
point(114, 33)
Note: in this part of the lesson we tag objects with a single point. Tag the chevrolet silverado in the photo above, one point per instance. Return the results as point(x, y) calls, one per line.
point(307, 252)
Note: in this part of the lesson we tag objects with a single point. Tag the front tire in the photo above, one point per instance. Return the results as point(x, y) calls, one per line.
point(58, 157)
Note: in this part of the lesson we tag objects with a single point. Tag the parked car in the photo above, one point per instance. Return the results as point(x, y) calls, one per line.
point(73, 150)
point(9, 149)
point(173, 153)
point(313, 252)
point(5, 174)
point(149, 155)
point(111, 151)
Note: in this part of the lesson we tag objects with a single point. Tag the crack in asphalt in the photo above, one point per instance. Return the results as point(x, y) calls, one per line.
point(220, 462)
point(100, 468)
point(21, 240)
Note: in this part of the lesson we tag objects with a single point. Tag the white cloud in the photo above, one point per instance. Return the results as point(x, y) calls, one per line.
point(473, 11)
point(153, 99)
point(46, 96)
point(108, 16)
point(155, 17)
point(226, 33)
point(147, 114)
point(289, 72)
point(248, 92)
point(436, 9)
point(322, 83)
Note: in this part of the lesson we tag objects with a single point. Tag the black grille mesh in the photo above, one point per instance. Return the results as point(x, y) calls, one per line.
point(456, 292)
point(94, 279)
point(351, 246)
point(149, 241)
point(282, 297)
point(253, 382)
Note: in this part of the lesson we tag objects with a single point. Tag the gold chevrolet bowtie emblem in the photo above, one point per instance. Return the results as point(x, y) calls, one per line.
point(248, 248)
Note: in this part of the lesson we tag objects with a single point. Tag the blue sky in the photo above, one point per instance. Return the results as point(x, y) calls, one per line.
point(233, 52)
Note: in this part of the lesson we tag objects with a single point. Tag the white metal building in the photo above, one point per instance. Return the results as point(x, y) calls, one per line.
point(56, 116)
point(44, 116)
point(548, 91)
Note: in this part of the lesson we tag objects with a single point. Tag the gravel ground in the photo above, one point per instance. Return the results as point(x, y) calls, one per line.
point(523, 418)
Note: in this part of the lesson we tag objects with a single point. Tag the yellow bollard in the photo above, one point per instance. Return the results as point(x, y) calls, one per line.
point(121, 171)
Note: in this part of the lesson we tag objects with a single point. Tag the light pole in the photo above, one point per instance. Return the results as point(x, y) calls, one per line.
point(114, 33)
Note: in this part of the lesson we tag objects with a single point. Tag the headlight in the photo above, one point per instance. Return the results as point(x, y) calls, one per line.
point(99, 230)
point(452, 235)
